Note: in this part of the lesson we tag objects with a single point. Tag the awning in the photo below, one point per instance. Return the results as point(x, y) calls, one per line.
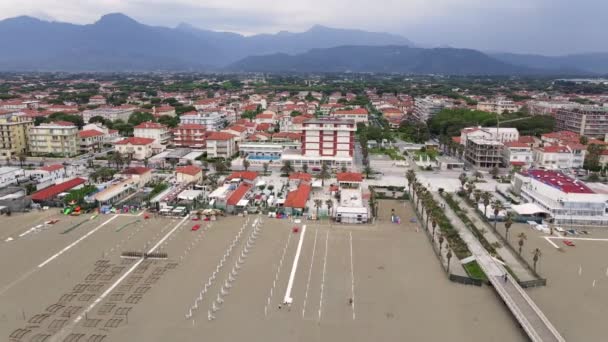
point(529, 209)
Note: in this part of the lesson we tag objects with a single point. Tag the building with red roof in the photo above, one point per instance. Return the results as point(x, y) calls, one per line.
point(518, 154)
point(142, 175)
point(237, 198)
point(556, 157)
point(357, 114)
point(349, 177)
point(190, 135)
point(295, 202)
point(242, 176)
point(51, 192)
point(152, 130)
point(188, 174)
point(221, 145)
point(300, 176)
point(91, 140)
point(568, 201)
point(137, 148)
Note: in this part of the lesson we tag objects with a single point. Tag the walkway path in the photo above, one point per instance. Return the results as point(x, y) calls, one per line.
point(505, 253)
point(529, 316)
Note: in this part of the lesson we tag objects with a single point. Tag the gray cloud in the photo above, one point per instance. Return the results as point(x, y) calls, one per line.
point(534, 26)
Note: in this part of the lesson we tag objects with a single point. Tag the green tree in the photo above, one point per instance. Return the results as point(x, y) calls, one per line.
point(246, 164)
point(522, 239)
point(169, 121)
point(486, 197)
point(139, 117)
point(287, 168)
point(497, 206)
point(318, 204)
point(536, 254)
point(305, 168)
point(494, 172)
point(265, 168)
point(329, 203)
point(508, 224)
point(324, 174)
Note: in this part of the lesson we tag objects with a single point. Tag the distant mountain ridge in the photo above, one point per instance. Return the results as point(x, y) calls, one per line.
point(116, 42)
point(384, 59)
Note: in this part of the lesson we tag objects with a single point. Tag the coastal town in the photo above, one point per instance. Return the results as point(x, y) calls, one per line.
point(476, 187)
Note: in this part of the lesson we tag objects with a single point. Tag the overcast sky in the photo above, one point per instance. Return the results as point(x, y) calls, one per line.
point(531, 26)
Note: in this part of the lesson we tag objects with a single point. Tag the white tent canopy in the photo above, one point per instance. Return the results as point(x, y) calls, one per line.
point(529, 209)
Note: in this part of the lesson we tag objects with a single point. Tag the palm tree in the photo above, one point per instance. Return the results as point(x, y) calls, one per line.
point(146, 162)
point(318, 204)
point(410, 175)
point(508, 224)
point(449, 256)
point(368, 171)
point(329, 203)
point(305, 168)
point(118, 159)
point(22, 158)
point(287, 168)
point(522, 238)
point(344, 169)
point(434, 224)
point(463, 180)
point(440, 243)
point(477, 197)
point(470, 188)
point(246, 164)
point(497, 206)
point(265, 168)
point(536, 257)
point(324, 174)
point(494, 172)
point(486, 197)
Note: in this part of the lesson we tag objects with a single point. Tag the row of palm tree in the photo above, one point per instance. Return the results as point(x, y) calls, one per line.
point(429, 210)
point(319, 203)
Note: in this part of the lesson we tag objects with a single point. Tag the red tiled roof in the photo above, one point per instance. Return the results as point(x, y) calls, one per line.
point(263, 127)
point(248, 175)
point(554, 149)
point(237, 128)
point(562, 135)
point(356, 111)
point(63, 123)
point(190, 113)
point(560, 181)
point(516, 144)
point(264, 116)
point(238, 194)
point(51, 168)
point(55, 190)
point(349, 177)
point(137, 170)
point(191, 126)
point(456, 139)
point(301, 176)
point(150, 125)
point(298, 197)
point(89, 133)
point(135, 141)
point(527, 139)
point(189, 170)
point(220, 136)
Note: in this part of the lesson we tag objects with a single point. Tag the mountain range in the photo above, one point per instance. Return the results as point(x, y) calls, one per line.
point(118, 43)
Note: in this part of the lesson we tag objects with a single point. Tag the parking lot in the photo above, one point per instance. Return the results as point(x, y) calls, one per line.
point(230, 279)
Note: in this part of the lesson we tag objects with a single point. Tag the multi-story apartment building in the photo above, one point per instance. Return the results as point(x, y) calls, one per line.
point(221, 145)
point(13, 134)
point(212, 121)
point(55, 138)
point(426, 107)
point(503, 134)
point(484, 153)
point(109, 113)
point(518, 154)
point(357, 114)
point(189, 135)
point(90, 140)
point(590, 121)
point(152, 130)
point(566, 200)
point(549, 107)
point(499, 106)
point(556, 157)
point(324, 140)
point(137, 148)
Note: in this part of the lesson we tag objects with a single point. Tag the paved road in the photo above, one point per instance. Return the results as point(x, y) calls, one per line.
point(530, 317)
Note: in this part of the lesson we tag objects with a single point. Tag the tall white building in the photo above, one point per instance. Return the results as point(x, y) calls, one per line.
point(426, 107)
point(325, 140)
point(212, 121)
point(503, 134)
point(568, 201)
point(152, 130)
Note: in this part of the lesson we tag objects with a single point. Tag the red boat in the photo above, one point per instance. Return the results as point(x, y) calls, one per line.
point(569, 243)
point(196, 227)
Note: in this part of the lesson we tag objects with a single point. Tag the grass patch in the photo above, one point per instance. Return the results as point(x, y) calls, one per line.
point(474, 271)
point(393, 153)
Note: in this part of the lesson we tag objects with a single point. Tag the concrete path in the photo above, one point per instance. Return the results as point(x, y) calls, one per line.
point(529, 316)
point(505, 253)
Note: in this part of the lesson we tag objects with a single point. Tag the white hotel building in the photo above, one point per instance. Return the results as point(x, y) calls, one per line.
point(570, 202)
point(324, 140)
